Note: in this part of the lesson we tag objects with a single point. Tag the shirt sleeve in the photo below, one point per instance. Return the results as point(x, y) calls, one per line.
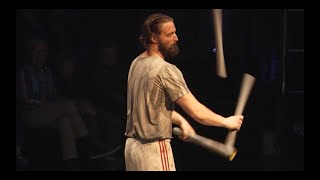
point(22, 86)
point(173, 82)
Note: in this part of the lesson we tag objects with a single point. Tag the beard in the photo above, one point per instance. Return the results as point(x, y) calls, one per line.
point(172, 51)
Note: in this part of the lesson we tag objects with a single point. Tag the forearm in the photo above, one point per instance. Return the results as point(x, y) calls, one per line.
point(186, 128)
point(177, 119)
point(207, 117)
point(199, 112)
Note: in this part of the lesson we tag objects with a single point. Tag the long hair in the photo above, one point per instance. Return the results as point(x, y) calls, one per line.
point(151, 26)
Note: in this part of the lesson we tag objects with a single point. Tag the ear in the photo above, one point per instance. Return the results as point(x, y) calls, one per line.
point(154, 39)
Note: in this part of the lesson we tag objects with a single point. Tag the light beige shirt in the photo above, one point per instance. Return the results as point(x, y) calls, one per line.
point(153, 87)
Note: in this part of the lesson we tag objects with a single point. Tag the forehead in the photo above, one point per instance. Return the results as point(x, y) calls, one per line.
point(168, 27)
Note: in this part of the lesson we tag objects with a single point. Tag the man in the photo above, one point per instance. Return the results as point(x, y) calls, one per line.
point(154, 86)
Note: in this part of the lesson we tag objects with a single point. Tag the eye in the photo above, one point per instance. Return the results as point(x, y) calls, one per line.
point(171, 34)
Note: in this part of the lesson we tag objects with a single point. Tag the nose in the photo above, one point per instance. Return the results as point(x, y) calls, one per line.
point(176, 37)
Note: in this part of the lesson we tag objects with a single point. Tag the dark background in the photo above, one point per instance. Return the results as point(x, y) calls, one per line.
point(266, 43)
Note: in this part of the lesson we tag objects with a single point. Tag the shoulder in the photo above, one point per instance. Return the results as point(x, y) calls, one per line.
point(170, 71)
point(171, 68)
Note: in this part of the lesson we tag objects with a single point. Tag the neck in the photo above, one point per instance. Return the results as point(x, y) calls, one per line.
point(152, 51)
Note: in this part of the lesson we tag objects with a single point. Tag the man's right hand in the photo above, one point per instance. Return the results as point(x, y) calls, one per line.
point(234, 122)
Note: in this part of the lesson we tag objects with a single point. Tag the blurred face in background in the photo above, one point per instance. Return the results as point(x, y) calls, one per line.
point(67, 69)
point(109, 56)
point(39, 53)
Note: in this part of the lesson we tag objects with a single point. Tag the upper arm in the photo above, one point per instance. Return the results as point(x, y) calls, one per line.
point(189, 104)
point(173, 82)
point(22, 85)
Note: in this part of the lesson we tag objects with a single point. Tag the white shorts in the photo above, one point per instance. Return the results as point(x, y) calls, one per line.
point(153, 156)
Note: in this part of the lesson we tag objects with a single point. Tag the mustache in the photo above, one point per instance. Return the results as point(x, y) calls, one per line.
point(173, 50)
point(174, 46)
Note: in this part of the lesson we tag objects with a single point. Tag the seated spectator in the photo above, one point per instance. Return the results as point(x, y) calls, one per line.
point(42, 108)
point(108, 92)
point(71, 87)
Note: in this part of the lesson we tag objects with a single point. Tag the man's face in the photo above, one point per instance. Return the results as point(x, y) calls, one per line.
point(168, 39)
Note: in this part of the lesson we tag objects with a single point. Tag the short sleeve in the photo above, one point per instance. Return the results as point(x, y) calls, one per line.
point(173, 82)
